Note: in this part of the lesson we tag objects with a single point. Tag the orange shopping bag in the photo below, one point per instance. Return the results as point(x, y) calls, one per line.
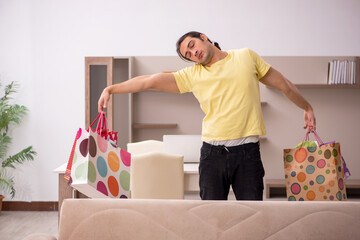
point(314, 172)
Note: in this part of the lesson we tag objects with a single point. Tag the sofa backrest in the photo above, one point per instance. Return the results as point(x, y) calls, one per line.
point(135, 219)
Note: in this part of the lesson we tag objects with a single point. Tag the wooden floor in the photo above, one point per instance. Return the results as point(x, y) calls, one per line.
point(15, 225)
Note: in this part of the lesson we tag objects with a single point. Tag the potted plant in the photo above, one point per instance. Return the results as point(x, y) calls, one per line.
point(10, 114)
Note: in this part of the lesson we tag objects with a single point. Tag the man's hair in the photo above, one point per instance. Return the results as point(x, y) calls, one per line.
point(192, 34)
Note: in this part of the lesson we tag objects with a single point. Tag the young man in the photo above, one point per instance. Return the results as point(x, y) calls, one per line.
point(226, 84)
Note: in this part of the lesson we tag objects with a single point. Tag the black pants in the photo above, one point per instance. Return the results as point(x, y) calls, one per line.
point(238, 166)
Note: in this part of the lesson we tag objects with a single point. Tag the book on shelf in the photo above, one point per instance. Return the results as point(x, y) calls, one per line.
point(341, 72)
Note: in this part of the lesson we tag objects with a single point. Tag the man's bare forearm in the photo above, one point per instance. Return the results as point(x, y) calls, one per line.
point(293, 94)
point(275, 79)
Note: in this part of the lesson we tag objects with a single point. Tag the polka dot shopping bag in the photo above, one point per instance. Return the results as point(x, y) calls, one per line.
point(97, 167)
point(314, 171)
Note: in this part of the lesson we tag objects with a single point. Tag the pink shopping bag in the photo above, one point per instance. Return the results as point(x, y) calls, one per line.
point(97, 167)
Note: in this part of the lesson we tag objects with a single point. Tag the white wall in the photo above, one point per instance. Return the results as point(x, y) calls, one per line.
point(43, 44)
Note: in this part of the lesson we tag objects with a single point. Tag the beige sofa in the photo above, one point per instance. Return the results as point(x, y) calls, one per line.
point(83, 219)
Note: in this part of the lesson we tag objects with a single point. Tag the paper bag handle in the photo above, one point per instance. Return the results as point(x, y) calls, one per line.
point(101, 128)
point(347, 173)
point(100, 123)
point(318, 139)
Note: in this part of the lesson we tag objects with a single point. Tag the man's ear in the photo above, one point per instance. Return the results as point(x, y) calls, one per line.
point(203, 37)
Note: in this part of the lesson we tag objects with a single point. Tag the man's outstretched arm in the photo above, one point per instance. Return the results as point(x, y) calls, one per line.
point(275, 79)
point(161, 81)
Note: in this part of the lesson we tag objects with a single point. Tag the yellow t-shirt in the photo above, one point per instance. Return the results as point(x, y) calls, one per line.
point(228, 93)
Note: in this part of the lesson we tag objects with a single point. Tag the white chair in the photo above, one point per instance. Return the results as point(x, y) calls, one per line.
point(157, 175)
point(145, 146)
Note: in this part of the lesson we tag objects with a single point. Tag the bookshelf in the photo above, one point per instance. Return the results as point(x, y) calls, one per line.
point(329, 86)
point(312, 71)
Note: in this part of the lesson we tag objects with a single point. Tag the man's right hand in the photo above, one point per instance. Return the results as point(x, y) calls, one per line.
point(310, 121)
point(103, 100)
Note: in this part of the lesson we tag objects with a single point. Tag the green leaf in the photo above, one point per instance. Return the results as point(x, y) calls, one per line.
point(9, 89)
point(26, 154)
point(4, 145)
point(11, 114)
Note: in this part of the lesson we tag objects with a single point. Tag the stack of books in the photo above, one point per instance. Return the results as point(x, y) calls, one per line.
point(341, 72)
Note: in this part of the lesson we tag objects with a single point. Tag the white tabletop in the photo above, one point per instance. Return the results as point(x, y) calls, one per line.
point(188, 168)
point(61, 169)
point(191, 167)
